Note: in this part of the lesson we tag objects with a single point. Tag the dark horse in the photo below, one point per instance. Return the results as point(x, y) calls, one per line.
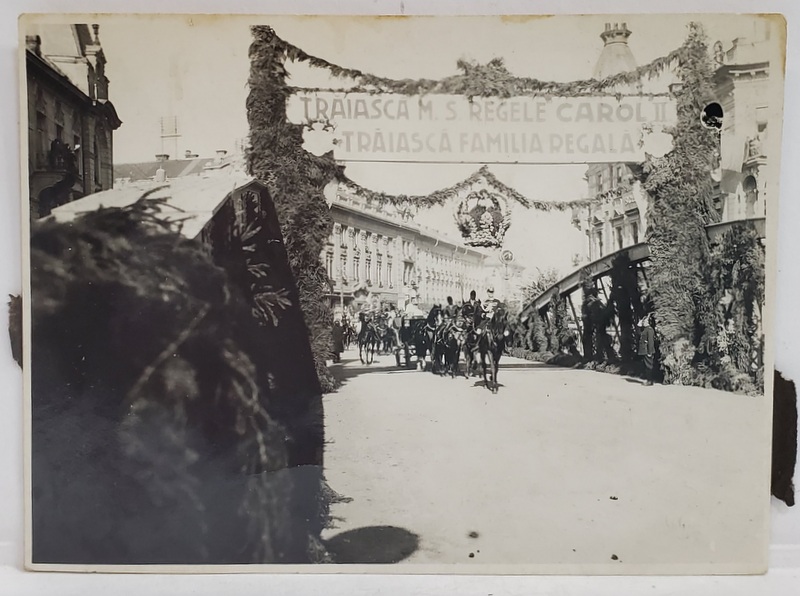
point(451, 342)
point(471, 318)
point(423, 336)
point(349, 335)
point(447, 345)
point(388, 335)
point(368, 341)
point(495, 333)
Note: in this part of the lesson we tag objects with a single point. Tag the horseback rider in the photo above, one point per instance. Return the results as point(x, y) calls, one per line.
point(490, 305)
point(469, 309)
point(450, 309)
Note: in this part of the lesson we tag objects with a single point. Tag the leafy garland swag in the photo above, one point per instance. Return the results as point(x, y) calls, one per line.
point(444, 195)
point(679, 183)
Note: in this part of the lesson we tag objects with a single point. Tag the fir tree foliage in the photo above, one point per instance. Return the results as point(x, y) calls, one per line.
point(296, 180)
point(680, 187)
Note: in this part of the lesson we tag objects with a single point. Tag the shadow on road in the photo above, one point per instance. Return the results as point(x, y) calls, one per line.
point(373, 544)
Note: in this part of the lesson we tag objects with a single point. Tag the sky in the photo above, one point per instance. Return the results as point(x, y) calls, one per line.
point(196, 68)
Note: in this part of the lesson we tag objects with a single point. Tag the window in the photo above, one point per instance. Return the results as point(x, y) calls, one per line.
point(762, 118)
point(620, 240)
point(329, 263)
point(356, 264)
point(389, 273)
point(42, 142)
point(635, 232)
point(379, 276)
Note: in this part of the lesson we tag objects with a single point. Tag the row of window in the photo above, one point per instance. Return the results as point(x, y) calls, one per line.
point(622, 236)
point(609, 177)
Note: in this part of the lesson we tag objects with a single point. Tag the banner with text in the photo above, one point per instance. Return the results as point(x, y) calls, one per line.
point(453, 129)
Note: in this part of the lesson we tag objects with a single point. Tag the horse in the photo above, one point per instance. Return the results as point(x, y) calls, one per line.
point(444, 340)
point(368, 341)
point(349, 335)
point(471, 319)
point(388, 338)
point(451, 348)
point(423, 336)
point(494, 334)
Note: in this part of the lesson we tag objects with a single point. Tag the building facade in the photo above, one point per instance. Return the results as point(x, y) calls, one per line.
point(617, 218)
point(378, 252)
point(742, 88)
point(70, 117)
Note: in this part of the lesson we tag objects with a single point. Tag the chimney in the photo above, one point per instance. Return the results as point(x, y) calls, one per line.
point(162, 157)
point(34, 44)
point(190, 155)
point(161, 175)
point(221, 153)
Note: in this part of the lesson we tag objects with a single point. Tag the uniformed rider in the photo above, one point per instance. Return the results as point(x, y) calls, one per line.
point(490, 305)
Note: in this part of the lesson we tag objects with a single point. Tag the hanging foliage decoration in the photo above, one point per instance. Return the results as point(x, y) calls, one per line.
point(492, 79)
point(456, 191)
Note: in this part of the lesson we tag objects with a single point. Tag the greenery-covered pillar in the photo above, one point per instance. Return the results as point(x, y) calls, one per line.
point(680, 187)
point(296, 180)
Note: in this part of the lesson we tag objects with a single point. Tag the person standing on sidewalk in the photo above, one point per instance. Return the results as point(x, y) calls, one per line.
point(337, 338)
point(647, 348)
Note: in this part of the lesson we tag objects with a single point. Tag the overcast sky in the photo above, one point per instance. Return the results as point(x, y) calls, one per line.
point(196, 69)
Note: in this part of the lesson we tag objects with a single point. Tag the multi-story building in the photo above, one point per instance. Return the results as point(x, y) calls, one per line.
point(742, 88)
point(70, 117)
point(377, 251)
point(617, 219)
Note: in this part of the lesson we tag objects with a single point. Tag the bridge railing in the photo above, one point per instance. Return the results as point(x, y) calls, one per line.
point(599, 271)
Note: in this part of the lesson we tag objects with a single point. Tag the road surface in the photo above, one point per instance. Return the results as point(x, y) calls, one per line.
point(560, 467)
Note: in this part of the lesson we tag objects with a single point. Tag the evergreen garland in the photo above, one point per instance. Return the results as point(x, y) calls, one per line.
point(680, 187)
point(481, 80)
point(444, 195)
point(295, 179)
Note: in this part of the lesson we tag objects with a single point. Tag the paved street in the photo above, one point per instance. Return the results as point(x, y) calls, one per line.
point(560, 467)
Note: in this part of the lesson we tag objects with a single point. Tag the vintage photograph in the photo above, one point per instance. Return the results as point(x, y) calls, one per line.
point(403, 295)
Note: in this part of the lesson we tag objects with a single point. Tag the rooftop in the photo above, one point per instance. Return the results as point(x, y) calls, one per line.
point(194, 200)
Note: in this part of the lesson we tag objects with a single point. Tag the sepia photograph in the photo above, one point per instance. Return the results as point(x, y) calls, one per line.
point(477, 295)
